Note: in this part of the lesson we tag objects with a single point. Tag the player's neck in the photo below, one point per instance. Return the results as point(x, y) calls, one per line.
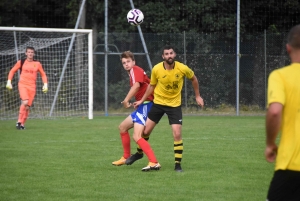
point(29, 59)
point(295, 60)
point(295, 56)
point(169, 66)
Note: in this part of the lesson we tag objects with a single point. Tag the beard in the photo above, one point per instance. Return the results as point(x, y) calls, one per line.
point(169, 61)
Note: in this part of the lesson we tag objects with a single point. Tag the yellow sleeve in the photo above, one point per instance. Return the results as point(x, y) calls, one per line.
point(189, 73)
point(276, 93)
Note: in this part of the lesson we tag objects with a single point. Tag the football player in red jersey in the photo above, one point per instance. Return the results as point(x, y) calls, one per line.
point(139, 82)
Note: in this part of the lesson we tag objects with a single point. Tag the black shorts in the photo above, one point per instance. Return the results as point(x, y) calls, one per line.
point(285, 186)
point(174, 113)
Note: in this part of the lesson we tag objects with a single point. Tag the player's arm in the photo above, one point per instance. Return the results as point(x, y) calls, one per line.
point(149, 90)
point(273, 123)
point(44, 78)
point(147, 93)
point(276, 101)
point(195, 85)
point(12, 73)
point(133, 90)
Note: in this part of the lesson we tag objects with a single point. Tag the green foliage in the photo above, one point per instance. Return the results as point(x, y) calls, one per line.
point(13, 7)
point(33, 13)
point(117, 93)
point(209, 16)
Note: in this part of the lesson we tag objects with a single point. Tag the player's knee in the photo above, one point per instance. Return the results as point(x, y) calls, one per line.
point(177, 137)
point(122, 128)
point(24, 102)
point(136, 138)
point(147, 131)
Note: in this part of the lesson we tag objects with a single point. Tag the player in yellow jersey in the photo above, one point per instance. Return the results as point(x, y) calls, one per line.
point(167, 79)
point(283, 116)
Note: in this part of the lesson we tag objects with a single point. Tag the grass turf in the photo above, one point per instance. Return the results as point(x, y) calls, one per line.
point(70, 159)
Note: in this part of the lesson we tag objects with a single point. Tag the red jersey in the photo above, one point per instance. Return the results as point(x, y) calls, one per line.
point(137, 74)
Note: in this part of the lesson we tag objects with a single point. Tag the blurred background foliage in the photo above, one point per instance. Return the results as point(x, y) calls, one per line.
point(208, 26)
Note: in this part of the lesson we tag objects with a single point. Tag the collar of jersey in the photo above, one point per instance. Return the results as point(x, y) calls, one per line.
point(165, 67)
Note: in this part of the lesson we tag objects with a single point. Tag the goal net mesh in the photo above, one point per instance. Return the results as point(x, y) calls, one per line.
point(51, 50)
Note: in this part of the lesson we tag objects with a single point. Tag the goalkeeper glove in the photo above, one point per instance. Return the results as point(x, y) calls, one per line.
point(8, 85)
point(45, 88)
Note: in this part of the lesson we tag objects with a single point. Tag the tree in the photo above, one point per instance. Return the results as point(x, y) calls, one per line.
point(12, 15)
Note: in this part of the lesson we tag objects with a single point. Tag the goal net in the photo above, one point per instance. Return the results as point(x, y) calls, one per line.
point(66, 56)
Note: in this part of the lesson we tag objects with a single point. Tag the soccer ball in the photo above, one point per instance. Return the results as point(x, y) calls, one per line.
point(135, 17)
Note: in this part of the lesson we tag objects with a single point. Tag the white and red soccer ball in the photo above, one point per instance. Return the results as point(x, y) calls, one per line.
point(135, 17)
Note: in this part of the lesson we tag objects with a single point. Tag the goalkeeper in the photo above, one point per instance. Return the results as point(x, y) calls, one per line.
point(27, 83)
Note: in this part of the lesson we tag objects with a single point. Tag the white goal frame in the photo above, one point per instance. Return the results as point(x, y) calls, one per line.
point(90, 58)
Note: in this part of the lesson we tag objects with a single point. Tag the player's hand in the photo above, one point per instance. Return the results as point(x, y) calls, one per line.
point(271, 153)
point(126, 104)
point(200, 101)
point(45, 88)
point(136, 104)
point(8, 85)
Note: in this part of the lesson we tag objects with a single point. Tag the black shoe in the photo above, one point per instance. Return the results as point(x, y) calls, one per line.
point(178, 167)
point(133, 158)
point(18, 125)
point(22, 127)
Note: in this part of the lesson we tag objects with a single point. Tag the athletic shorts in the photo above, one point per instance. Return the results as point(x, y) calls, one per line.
point(141, 113)
point(285, 186)
point(27, 93)
point(174, 113)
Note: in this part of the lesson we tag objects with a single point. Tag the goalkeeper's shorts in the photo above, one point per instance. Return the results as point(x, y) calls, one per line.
point(141, 113)
point(27, 93)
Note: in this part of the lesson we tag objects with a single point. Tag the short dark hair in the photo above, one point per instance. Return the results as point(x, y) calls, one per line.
point(30, 48)
point(167, 47)
point(293, 38)
point(127, 54)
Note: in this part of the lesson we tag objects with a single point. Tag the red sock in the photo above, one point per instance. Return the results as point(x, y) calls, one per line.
point(126, 144)
point(21, 113)
point(145, 146)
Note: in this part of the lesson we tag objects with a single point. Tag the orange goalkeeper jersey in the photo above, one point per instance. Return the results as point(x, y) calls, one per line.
point(29, 73)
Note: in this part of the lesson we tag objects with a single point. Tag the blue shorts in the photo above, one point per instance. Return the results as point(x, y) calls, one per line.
point(141, 113)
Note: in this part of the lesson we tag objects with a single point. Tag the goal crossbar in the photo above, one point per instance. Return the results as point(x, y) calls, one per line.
point(33, 29)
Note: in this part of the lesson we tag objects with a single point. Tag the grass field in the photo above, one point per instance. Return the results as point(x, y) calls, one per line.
point(70, 159)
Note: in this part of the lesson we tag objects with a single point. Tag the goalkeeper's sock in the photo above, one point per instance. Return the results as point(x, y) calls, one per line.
point(21, 113)
point(25, 116)
point(125, 138)
point(139, 150)
point(147, 150)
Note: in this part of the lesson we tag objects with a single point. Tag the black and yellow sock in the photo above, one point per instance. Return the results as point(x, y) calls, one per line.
point(139, 150)
point(178, 149)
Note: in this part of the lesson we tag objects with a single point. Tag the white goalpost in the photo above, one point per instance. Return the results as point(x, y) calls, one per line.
point(67, 58)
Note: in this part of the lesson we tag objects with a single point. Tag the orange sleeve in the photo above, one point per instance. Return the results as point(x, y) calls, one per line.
point(43, 74)
point(14, 70)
